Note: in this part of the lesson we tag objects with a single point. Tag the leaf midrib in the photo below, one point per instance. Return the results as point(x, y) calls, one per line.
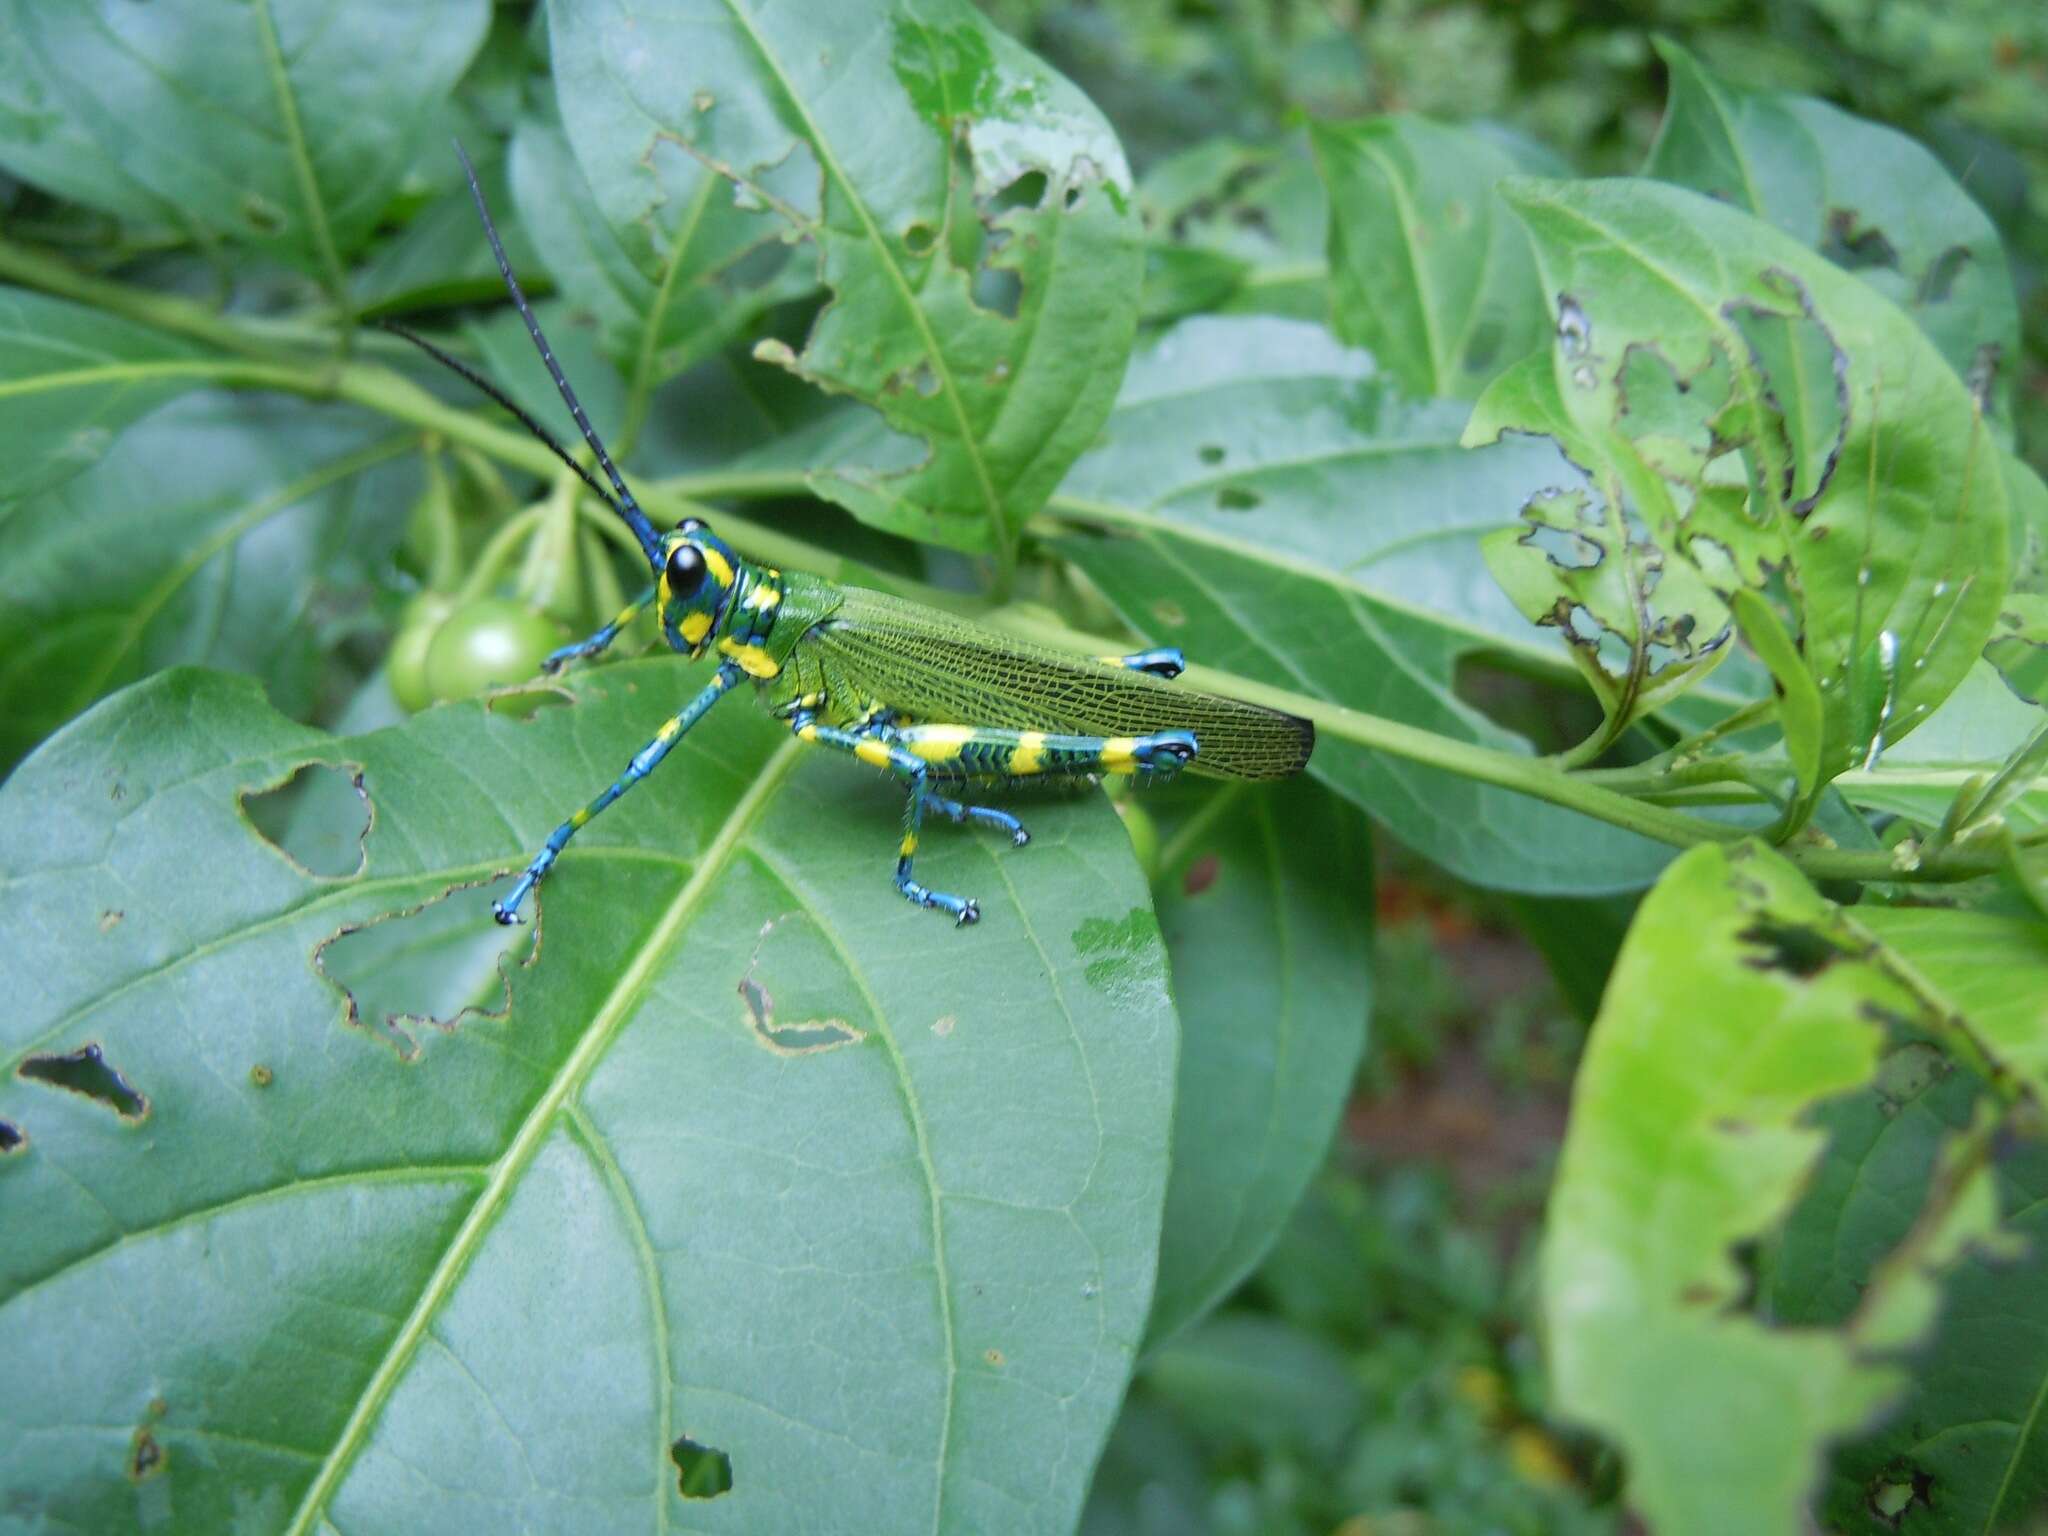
point(534, 1130)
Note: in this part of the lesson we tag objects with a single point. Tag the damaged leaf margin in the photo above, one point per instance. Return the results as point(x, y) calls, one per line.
point(1772, 425)
point(972, 215)
point(1740, 1001)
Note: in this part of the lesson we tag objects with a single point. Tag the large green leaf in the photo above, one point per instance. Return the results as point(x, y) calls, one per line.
point(70, 379)
point(1740, 1001)
point(1428, 268)
point(1281, 513)
point(1265, 899)
point(283, 124)
point(970, 211)
point(750, 1157)
point(1768, 424)
point(1866, 197)
point(226, 517)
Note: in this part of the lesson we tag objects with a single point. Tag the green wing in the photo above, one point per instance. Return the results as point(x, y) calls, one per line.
point(939, 669)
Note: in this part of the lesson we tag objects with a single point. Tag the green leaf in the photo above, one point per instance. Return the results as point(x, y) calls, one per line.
point(1643, 627)
point(231, 516)
point(672, 272)
point(1428, 268)
point(1740, 1000)
point(1236, 229)
point(1245, 1379)
point(280, 124)
point(441, 255)
point(1868, 198)
point(749, 1128)
point(1265, 899)
point(1779, 426)
point(70, 379)
point(1965, 1449)
point(1280, 513)
point(970, 211)
point(2019, 643)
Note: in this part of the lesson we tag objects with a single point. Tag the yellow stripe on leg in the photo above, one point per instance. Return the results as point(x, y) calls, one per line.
point(1028, 756)
point(908, 846)
point(580, 817)
point(872, 752)
point(937, 743)
point(1120, 754)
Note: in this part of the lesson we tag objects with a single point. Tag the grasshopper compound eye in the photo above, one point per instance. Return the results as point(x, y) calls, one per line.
point(685, 570)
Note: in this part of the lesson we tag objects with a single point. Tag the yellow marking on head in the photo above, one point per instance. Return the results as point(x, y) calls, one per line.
point(908, 846)
point(580, 817)
point(669, 731)
point(695, 627)
point(1028, 756)
point(935, 743)
point(1120, 754)
point(753, 661)
point(872, 752)
point(716, 564)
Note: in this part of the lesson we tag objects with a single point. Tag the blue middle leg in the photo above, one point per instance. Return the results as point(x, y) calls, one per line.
point(872, 746)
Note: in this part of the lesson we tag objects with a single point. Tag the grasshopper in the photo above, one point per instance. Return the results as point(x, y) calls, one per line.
point(928, 697)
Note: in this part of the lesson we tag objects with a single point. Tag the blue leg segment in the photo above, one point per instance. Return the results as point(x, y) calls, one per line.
point(507, 911)
point(556, 660)
point(872, 747)
point(980, 816)
point(1162, 661)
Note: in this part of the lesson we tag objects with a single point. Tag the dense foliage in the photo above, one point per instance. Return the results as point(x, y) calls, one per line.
point(1618, 450)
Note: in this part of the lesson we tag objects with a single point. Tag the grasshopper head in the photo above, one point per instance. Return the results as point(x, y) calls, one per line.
point(695, 581)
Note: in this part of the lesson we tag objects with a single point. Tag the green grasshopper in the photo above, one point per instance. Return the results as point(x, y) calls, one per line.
point(910, 689)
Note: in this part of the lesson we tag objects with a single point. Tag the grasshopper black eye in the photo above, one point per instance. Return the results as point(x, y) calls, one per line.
point(685, 570)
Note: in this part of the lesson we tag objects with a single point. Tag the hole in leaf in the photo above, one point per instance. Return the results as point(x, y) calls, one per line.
point(702, 1472)
point(1852, 245)
point(524, 703)
point(793, 961)
point(999, 291)
point(925, 380)
point(1238, 498)
point(919, 239)
point(1210, 453)
point(1798, 951)
point(1027, 191)
point(1942, 273)
point(11, 1139)
point(146, 1458)
point(86, 1071)
point(1798, 439)
point(438, 963)
point(318, 818)
point(1073, 199)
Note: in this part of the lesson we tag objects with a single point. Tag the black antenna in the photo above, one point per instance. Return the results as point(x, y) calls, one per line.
point(457, 365)
point(625, 506)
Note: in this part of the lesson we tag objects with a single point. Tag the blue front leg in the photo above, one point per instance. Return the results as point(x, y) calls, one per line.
point(554, 661)
point(729, 673)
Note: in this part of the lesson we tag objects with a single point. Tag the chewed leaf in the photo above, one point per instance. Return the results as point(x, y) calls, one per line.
point(1775, 426)
point(968, 208)
point(1742, 1012)
point(1866, 197)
